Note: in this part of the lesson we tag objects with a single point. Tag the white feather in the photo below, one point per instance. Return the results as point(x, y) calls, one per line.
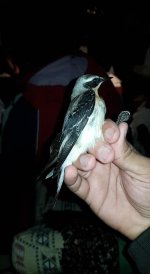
point(87, 139)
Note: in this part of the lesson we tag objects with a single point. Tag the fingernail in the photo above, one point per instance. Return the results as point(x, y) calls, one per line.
point(103, 153)
point(109, 133)
point(83, 161)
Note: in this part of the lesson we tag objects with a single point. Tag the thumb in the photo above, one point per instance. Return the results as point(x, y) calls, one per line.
point(126, 157)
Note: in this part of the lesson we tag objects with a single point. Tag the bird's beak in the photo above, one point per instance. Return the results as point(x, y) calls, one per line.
point(107, 78)
point(104, 79)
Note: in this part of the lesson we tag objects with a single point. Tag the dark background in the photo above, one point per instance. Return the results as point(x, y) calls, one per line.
point(118, 33)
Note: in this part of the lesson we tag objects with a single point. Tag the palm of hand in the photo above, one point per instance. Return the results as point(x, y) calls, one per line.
point(118, 191)
point(118, 197)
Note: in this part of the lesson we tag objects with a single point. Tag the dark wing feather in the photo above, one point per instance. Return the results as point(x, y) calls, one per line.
point(54, 149)
point(75, 120)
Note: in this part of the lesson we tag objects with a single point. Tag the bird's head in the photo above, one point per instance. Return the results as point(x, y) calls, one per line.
point(87, 82)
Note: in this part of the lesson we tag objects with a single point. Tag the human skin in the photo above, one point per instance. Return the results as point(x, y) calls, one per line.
point(114, 180)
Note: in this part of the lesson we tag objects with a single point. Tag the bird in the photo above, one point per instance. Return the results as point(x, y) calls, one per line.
point(82, 126)
point(81, 129)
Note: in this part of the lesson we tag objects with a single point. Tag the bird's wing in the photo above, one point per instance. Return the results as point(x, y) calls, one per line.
point(75, 120)
point(54, 149)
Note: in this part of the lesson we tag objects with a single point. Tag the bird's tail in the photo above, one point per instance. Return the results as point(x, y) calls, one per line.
point(60, 180)
point(46, 173)
point(49, 170)
point(50, 174)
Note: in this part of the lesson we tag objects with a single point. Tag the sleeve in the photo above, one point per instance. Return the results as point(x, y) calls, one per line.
point(139, 251)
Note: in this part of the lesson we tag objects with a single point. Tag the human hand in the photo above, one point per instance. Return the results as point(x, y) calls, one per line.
point(114, 180)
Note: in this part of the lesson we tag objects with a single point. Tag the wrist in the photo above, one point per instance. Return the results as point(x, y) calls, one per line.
point(137, 229)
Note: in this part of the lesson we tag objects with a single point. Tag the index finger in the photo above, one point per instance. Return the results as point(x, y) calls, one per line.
point(111, 131)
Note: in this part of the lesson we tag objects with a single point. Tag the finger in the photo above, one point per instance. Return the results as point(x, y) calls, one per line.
point(122, 147)
point(85, 162)
point(127, 158)
point(103, 152)
point(107, 152)
point(71, 175)
point(110, 152)
point(110, 131)
point(75, 182)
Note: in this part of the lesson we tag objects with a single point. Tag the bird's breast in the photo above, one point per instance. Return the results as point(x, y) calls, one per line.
point(91, 132)
point(93, 129)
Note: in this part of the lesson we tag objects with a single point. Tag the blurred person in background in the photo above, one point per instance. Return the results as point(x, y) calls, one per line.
point(52, 57)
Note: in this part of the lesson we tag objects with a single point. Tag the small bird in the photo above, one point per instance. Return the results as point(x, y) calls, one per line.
point(82, 126)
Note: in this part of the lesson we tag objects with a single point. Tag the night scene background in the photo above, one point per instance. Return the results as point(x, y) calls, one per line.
point(35, 34)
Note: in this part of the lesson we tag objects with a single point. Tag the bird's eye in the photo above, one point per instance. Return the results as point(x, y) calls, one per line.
point(93, 83)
